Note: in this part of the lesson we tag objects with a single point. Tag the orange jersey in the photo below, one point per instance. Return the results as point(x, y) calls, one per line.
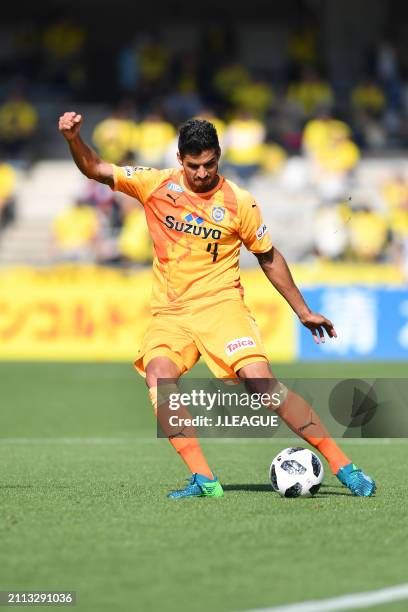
point(196, 236)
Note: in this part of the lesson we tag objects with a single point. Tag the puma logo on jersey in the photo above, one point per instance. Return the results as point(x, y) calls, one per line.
point(172, 198)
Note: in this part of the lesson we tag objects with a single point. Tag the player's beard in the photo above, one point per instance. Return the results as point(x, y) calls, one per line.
point(206, 185)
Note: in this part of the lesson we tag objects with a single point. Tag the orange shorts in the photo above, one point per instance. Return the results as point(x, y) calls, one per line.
point(225, 334)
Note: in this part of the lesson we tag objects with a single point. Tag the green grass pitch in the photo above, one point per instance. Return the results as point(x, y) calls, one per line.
point(83, 506)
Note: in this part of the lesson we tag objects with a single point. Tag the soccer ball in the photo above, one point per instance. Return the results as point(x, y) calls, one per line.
point(296, 472)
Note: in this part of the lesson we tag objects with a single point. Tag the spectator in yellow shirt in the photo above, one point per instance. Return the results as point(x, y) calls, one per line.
point(310, 93)
point(395, 194)
point(318, 133)
point(75, 230)
point(18, 121)
point(63, 40)
point(244, 142)
point(8, 183)
point(134, 242)
point(115, 136)
point(229, 78)
point(153, 137)
point(303, 46)
point(340, 157)
point(154, 60)
point(368, 234)
point(332, 155)
point(368, 97)
point(63, 43)
point(255, 97)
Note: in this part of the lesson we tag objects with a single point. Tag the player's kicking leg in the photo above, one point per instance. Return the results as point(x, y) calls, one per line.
point(304, 421)
point(202, 483)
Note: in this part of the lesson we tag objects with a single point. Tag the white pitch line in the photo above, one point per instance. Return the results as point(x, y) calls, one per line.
point(120, 441)
point(345, 602)
point(68, 441)
point(113, 441)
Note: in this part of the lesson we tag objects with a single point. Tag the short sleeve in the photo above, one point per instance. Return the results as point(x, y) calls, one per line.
point(253, 230)
point(137, 181)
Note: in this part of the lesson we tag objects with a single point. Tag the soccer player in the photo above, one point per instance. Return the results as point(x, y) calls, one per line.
point(198, 221)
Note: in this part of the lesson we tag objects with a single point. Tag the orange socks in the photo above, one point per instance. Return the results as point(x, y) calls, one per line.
point(331, 452)
point(297, 414)
point(190, 451)
point(300, 417)
point(187, 447)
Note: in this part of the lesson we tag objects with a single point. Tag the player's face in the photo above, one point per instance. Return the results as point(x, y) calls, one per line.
point(201, 170)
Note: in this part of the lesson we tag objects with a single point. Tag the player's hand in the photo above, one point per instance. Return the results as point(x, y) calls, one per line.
point(69, 125)
point(317, 323)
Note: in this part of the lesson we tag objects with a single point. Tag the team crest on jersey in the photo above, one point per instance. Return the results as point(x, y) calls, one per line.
point(218, 213)
point(175, 187)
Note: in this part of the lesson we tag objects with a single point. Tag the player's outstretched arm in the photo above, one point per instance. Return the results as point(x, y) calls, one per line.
point(277, 271)
point(85, 158)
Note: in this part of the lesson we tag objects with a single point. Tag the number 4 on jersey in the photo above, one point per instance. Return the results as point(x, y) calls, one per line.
point(213, 252)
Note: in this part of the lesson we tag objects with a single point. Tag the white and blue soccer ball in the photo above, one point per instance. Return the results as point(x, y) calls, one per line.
point(296, 472)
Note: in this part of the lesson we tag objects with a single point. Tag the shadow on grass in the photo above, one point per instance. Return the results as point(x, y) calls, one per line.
point(262, 488)
point(266, 488)
point(338, 490)
point(321, 493)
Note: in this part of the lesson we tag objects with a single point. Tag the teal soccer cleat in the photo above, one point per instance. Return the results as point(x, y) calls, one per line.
point(199, 486)
point(354, 479)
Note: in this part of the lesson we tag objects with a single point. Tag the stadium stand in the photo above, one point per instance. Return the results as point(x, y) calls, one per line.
point(303, 136)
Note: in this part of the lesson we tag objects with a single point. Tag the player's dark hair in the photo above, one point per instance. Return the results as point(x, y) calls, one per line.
point(196, 136)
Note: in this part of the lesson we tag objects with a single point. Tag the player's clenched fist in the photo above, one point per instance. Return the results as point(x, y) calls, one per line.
point(70, 124)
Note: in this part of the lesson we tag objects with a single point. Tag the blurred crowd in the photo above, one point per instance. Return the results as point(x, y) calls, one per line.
point(110, 228)
point(57, 59)
point(101, 227)
point(295, 125)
